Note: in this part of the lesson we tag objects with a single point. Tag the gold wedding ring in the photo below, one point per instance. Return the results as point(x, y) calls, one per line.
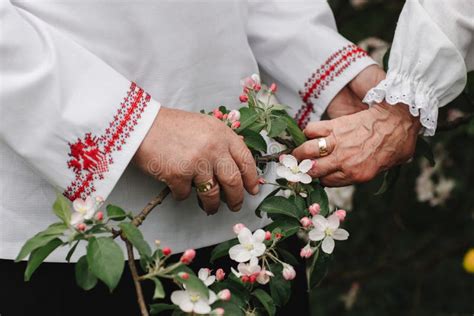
point(205, 186)
point(323, 147)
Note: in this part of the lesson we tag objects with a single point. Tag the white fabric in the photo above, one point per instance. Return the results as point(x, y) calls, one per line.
point(431, 53)
point(65, 70)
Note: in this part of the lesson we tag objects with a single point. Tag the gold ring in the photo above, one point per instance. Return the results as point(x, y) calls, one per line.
point(323, 147)
point(205, 186)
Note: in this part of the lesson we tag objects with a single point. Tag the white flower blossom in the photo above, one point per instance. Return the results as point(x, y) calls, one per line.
point(249, 245)
point(327, 230)
point(205, 275)
point(84, 210)
point(291, 171)
point(192, 302)
point(252, 268)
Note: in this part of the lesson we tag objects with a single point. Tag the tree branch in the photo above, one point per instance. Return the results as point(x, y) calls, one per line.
point(273, 157)
point(136, 280)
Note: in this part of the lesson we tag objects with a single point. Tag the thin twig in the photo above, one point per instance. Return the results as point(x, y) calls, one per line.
point(136, 280)
point(273, 157)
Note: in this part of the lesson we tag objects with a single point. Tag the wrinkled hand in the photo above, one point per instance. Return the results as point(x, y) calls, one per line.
point(349, 99)
point(360, 145)
point(183, 147)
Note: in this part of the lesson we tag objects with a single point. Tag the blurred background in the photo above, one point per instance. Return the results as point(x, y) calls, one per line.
point(408, 251)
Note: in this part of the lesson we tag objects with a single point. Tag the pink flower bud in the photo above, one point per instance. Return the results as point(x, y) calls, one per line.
point(306, 252)
point(217, 114)
point(273, 88)
point(314, 209)
point(225, 116)
point(268, 235)
point(99, 216)
point(167, 251)
point(252, 278)
point(235, 125)
point(288, 272)
point(246, 90)
point(341, 214)
point(306, 222)
point(220, 275)
point(278, 235)
point(224, 295)
point(243, 98)
point(188, 256)
point(238, 228)
point(81, 227)
point(234, 115)
point(257, 87)
point(244, 279)
point(218, 312)
point(280, 159)
point(261, 181)
point(184, 275)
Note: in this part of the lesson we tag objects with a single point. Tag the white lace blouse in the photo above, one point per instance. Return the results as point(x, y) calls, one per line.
point(432, 51)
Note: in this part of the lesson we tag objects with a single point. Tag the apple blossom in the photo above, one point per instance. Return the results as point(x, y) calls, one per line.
point(220, 275)
point(237, 228)
point(167, 251)
point(84, 210)
point(99, 216)
point(246, 270)
point(188, 256)
point(235, 125)
point(192, 302)
point(82, 227)
point(288, 272)
point(327, 230)
point(252, 82)
point(205, 275)
point(184, 275)
point(261, 181)
point(314, 209)
point(306, 222)
point(291, 171)
point(268, 235)
point(233, 115)
point(264, 276)
point(243, 98)
point(273, 88)
point(306, 252)
point(217, 312)
point(250, 245)
point(341, 214)
point(217, 114)
point(224, 295)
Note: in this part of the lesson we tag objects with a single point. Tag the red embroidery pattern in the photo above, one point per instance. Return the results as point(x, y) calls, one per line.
point(334, 66)
point(91, 156)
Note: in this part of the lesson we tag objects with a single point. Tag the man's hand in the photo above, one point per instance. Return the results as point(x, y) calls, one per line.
point(349, 99)
point(183, 147)
point(361, 145)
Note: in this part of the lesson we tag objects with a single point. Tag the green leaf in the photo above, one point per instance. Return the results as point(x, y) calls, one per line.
point(280, 289)
point(247, 117)
point(38, 255)
point(257, 210)
point(71, 251)
point(158, 308)
point(240, 294)
point(39, 240)
point(319, 267)
point(115, 213)
point(300, 205)
point(278, 126)
point(256, 127)
point(61, 209)
point(318, 195)
point(135, 236)
point(254, 140)
point(230, 308)
point(222, 249)
point(423, 149)
point(84, 277)
point(266, 301)
point(159, 290)
point(288, 256)
point(288, 226)
point(389, 179)
point(106, 260)
point(294, 131)
point(194, 284)
point(279, 205)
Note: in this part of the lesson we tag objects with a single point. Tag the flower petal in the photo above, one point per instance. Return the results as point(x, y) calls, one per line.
point(320, 222)
point(201, 307)
point(289, 161)
point(210, 280)
point(181, 298)
point(78, 205)
point(328, 245)
point(76, 218)
point(245, 236)
point(203, 273)
point(239, 253)
point(237, 274)
point(283, 172)
point(258, 249)
point(340, 234)
point(333, 221)
point(259, 236)
point(305, 165)
point(212, 297)
point(304, 178)
point(316, 234)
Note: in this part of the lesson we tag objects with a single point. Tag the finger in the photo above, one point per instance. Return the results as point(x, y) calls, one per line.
point(336, 179)
point(180, 187)
point(318, 129)
point(210, 200)
point(246, 164)
point(324, 166)
point(310, 148)
point(230, 180)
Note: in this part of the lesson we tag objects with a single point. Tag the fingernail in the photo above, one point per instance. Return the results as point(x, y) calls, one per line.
point(255, 190)
point(237, 208)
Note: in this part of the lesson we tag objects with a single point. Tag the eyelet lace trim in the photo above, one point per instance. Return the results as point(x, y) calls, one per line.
point(402, 89)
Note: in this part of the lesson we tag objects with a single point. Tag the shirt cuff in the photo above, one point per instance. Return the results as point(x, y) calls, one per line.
point(326, 82)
